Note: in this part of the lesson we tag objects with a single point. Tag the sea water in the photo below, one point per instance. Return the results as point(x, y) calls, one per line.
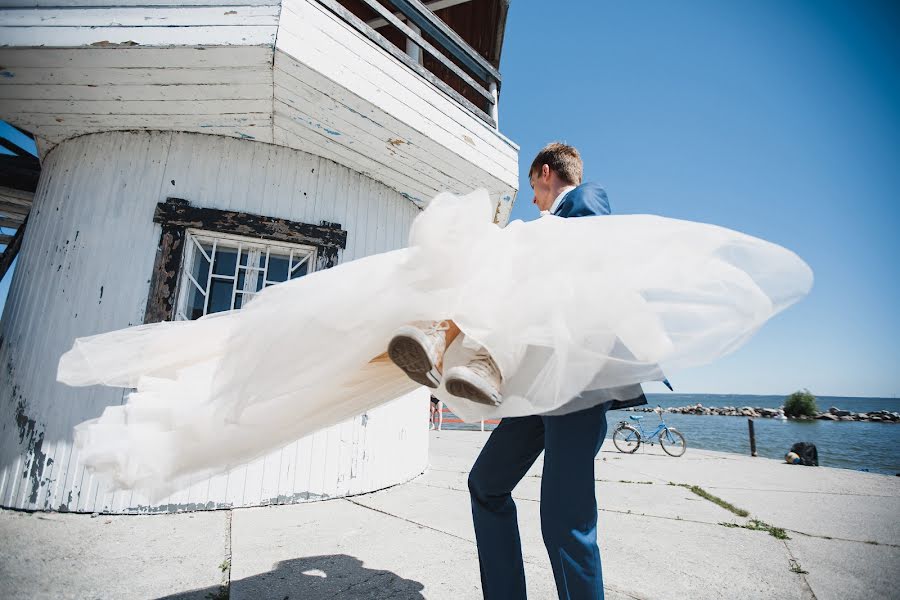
point(859, 445)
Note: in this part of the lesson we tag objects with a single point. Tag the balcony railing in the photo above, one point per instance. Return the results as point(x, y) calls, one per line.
point(467, 76)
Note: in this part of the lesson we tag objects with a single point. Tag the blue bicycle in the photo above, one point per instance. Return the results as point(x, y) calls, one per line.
point(628, 438)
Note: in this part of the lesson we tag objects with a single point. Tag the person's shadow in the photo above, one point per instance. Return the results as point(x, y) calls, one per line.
point(336, 576)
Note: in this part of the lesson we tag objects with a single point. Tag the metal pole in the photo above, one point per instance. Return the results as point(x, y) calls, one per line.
point(412, 49)
point(752, 438)
point(495, 111)
point(482, 424)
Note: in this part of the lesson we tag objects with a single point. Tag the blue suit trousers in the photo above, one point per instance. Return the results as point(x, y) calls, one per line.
point(568, 502)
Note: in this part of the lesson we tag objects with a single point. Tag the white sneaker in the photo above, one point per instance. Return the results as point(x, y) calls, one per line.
point(418, 349)
point(478, 381)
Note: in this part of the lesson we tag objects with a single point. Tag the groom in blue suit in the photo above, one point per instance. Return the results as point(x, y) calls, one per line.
point(569, 437)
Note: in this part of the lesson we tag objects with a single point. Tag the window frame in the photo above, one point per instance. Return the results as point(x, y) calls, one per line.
point(194, 241)
point(177, 217)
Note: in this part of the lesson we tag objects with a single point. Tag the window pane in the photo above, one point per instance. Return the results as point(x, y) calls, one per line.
point(301, 270)
point(194, 309)
point(225, 260)
point(220, 296)
point(200, 269)
point(245, 259)
point(278, 268)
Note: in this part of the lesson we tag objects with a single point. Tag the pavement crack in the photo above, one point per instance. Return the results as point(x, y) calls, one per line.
point(410, 521)
point(609, 510)
point(458, 472)
point(224, 592)
point(840, 539)
point(808, 593)
point(817, 493)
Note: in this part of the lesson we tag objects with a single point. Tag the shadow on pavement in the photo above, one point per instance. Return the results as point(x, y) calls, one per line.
point(314, 578)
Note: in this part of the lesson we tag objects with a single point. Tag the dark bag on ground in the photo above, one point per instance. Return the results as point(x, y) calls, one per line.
point(807, 452)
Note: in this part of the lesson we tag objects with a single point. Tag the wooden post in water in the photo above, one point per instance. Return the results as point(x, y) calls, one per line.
point(752, 437)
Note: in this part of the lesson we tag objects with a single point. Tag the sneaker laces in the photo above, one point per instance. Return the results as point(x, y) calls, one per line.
point(483, 365)
point(436, 327)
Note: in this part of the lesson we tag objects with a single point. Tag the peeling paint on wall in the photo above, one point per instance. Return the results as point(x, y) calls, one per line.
point(40, 468)
point(31, 437)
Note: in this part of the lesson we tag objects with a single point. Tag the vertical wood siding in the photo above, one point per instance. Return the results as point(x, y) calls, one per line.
point(85, 267)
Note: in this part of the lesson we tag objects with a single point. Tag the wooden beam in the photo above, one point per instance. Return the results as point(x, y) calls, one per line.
point(416, 12)
point(12, 249)
point(164, 279)
point(13, 209)
point(12, 222)
point(175, 212)
point(420, 41)
point(14, 148)
point(176, 216)
point(401, 56)
point(5, 239)
point(16, 196)
point(433, 6)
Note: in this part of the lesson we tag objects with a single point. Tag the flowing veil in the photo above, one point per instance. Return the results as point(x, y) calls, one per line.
point(563, 305)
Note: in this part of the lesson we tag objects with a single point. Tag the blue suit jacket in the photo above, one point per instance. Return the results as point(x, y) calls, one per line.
point(587, 200)
point(590, 200)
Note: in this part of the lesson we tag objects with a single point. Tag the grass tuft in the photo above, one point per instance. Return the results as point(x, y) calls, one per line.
point(714, 499)
point(796, 568)
point(757, 525)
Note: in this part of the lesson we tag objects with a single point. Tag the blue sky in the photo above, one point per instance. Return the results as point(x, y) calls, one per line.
point(776, 118)
point(780, 119)
point(25, 142)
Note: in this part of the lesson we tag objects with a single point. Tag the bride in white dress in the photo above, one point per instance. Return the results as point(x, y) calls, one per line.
point(574, 304)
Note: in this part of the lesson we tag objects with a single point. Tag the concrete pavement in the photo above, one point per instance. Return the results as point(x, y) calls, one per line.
point(659, 538)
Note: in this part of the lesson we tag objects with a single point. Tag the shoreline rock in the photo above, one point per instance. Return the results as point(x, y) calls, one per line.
point(832, 414)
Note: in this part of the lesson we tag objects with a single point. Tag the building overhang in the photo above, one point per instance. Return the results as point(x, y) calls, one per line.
point(298, 74)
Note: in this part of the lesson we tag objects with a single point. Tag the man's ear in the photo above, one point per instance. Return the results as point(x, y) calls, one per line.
point(545, 172)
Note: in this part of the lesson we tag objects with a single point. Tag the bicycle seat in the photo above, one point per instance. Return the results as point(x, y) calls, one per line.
point(635, 417)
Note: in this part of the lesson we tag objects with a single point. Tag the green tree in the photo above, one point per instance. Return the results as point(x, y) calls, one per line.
point(801, 403)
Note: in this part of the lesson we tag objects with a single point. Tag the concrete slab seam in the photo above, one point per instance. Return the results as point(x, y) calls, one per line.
point(813, 492)
point(840, 539)
point(808, 594)
point(410, 521)
point(609, 510)
point(225, 586)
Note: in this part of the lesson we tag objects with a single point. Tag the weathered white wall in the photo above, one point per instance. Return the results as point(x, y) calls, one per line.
point(291, 73)
point(85, 267)
point(331, 81)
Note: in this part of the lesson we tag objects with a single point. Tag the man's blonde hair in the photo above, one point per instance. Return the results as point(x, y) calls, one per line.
point(563, 159)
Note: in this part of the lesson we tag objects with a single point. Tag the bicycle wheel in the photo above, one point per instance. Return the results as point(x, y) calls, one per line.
point(627, 439)
point(672, 442)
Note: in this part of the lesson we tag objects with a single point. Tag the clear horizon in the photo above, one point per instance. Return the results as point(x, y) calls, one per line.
point(780, 120)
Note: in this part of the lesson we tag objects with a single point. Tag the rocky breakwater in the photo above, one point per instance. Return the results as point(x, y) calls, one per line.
point(832, 414)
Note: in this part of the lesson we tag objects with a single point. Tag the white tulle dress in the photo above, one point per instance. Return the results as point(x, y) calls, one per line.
point(563, 305)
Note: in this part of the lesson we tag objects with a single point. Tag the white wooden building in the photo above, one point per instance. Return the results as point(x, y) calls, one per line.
point(193, 154)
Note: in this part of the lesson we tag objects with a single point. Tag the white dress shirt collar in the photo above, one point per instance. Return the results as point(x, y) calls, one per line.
point(559, 198)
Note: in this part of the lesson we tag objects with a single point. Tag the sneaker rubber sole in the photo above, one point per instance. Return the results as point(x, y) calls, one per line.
point(461, 388)
point(410, 356)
